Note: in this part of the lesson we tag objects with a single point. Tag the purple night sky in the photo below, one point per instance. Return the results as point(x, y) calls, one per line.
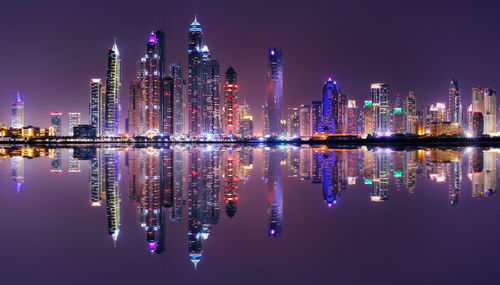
point(51, 49)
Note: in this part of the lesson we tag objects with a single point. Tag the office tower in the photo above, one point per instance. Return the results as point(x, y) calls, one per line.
point(168, 106)
point(179, 100)
point(55, 122)
point(470, 113)
point(380, 99)
point(194, 77)
point(477, 99)
point(332, 115)
point(135, 107)
point(316, 114)
point(73, 162)
point(398, 103)
point(411, 114)
point(305, 121)
point(369, 115)
point(437, 113)
point(265, 120)
point(210, 97)
point(73, 121)
point(231, 106)
point(454, 103)
point(477, 124)
point(246, 121)
point(293, 124)
point(153, 63)
point(17, 167)
point(352, 117)
point(397, 121)
point(112, 97)
point(18, 112)
point(274, 92)
point(490, 111)
point(96, 104)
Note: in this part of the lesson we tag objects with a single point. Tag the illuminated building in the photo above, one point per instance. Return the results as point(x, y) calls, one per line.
point(18, 112)
point(135, 101)
point(272, 177)
point(445, 129)
point(179, 180)
point(490, 111)
point(246, 122)
point(210, 98)
point(332, 116)
point(136, 165)
point(84, 131)
point(179, 100)
point(305, 163)
point(55, 122)
point(112, 97)
point(477, 161)
point(274, 92)
point(96, 169)
point(410, 170)
point(369, 115)
point(316, 112)
point(293, 161)
point(477, 124)
point(477, 99)
point(73, 163)
point(56, 161)
point(411, 114)
point(231, 123)
point(168, 106)
point(455, 179)
point(305, 121)
point(398, 168)
point(381, 178)
point(469, 117)
point(454, 103)
point(293, 123)
point(397, 121)
point(194, 77)
point(380, 99)
point(153, 64)
point(490, 173)
point(352, 117)
point(437, 113)
point(96, 104)
point(17, 167)
point(73, 121)
point(231, 163)
point(111, 188)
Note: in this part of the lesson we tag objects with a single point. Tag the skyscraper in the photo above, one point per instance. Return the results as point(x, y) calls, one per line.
point(168, 106)
point(73, 120)
point(194, 76)
point(210, 97)
point(397, 121)
point(454, 103)
point(352, 117)
point(477, 99)
point(18, 112)
point(380, 99)
point(411, 114)
point(153, 67)
point(274, 92)
point(293, 123)
point(231, 123)
point(55, 122)
point(368, 114)
point(135, 108)
point(96, 104)
point(316, 113)
point(332, 117)
point(179, 100)
point(490, 111)
point(112, 98)
point(305, 121)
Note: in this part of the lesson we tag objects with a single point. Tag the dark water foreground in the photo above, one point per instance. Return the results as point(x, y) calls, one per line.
point(239, 214)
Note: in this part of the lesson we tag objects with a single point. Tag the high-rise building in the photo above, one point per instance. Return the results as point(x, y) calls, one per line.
point(194, 77)
point(293, 123)
point(112, 98)
point(454, 103)
point(153, 64)
point(477, 99)
point(179, 100)
point(477, 124)
point(490, 111)
point(332, 110)
point(305, 121)
point(73, 121)
point(397, 121)
point(18, 112)
point(55, 122)
point(316, 112)
point(352, 117)
point(135, 107)
point(380, 99)
point(96, 104)
point(210, 87)
point(245, 121)
point(274, 92)
point(168, 106)
point(368, 114)
point(411, 114)
point(470, 113)
point(230, 119)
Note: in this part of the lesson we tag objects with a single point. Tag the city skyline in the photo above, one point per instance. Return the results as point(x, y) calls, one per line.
point(294, 95)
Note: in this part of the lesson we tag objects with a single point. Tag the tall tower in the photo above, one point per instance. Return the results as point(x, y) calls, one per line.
point(380, 99)
point(179, 100)
point(73, 120)
point(454, 103)
point(194, 59)
point(210, 99)
point(96, 100)
point(18, 112)
point(135, 107)
point(274, 91)
point(490, 111)
point(55, 122)
point(231, 106)
point(112, 98)
point(411, 114)
point(152, 76)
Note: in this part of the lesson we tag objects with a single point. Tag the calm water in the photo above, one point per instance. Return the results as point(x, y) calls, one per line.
point(249, 215)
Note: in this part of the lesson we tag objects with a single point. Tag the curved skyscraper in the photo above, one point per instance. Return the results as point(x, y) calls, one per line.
point(194, 76)
point(112, 97)
point(274, 92)
point(18, 112)
point(332, 118)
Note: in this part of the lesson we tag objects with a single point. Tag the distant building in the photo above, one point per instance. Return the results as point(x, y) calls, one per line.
point(477, 124)
point(490, 111)
point(369, 116)
point(55, 122)
point(305, 121)
point(293, 123)
point(84, 131)
point(316, 112)
point(411, 114)
point(179, 99)
point(167, 107)
point(380, 99)
point(398, 121)
point(96, 104)
point(135, 107)
point(445, 129)
point(73, 120)
point(18, 112)
point(352, 117)
point(230, 116)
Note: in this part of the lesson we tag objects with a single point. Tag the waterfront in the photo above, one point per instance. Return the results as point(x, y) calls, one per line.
point(249, 215)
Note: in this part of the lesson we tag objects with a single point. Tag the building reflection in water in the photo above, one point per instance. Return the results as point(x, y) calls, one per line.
point(163, 180)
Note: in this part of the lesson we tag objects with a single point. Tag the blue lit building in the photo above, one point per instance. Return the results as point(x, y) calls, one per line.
point(274, 92)
point(18, 113)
